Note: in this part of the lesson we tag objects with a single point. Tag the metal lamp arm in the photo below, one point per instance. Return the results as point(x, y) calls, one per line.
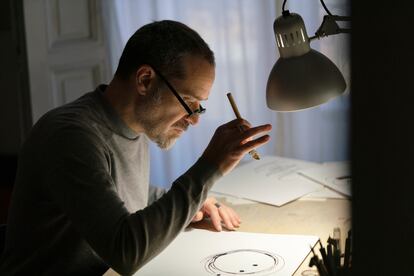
point(330, 26)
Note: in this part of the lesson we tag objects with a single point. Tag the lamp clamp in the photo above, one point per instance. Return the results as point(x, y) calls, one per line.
point(330, 26)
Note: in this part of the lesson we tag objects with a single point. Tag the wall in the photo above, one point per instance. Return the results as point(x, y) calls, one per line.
point(14, 107)
point(14, 102)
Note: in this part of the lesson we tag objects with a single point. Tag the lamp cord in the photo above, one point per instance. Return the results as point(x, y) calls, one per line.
point(326, 9)
point(323, 4)
point(283, 6)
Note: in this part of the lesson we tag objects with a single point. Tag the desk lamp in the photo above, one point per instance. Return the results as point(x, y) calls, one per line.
point(302, 77)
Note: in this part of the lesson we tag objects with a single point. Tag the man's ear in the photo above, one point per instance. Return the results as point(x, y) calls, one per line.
point(144, 79)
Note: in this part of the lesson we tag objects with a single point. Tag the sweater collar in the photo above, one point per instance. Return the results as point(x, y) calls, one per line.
point(115, 121)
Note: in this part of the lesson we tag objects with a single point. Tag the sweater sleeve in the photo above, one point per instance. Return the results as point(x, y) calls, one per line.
point(154, 193)
point(77, 179)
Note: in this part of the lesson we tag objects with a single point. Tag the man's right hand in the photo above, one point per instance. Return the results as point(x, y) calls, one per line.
point(229, 143)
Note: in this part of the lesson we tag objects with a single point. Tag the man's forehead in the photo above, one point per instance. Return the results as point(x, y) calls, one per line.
point(195, 66)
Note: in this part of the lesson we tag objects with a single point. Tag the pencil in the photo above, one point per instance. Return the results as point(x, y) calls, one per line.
point(253, 153)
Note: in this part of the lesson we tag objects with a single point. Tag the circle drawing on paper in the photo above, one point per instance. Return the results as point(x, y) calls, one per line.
point(243, 262)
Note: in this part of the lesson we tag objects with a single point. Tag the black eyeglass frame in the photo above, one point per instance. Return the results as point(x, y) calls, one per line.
point(190, 112)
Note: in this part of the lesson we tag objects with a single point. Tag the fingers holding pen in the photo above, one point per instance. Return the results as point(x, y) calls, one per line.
point(250, 145)
point(237, 124)
point(243, 139)
point(231, 141)
point(244, 127)
point(247, 134)
point(229, 144)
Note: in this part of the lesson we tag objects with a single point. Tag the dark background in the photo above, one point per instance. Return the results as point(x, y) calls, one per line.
point(15, 113)
point(382, 137)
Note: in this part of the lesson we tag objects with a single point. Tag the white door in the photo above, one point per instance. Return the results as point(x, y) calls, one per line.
point(67, 56)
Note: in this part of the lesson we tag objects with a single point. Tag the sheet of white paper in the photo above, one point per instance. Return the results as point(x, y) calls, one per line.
point(273, 180)
point(334, 175)
point(231, 199)
point(201, 252)
point(323, 193)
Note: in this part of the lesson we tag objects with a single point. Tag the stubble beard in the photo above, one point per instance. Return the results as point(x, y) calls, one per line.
point(158, 134)
point(155, 130)
point(164, 141)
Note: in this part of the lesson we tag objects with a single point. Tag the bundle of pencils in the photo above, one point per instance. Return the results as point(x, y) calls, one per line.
point(333, 262)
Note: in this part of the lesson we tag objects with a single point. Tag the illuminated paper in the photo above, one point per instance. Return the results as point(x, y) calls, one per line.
point(201, 252)
point(272, 180)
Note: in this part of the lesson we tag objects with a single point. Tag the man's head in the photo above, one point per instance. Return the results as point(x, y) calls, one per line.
point(161, 57)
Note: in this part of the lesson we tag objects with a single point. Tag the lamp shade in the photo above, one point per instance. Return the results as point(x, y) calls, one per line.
point(301, 77)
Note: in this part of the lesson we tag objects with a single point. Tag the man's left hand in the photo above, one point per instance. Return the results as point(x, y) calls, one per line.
point(218, 213)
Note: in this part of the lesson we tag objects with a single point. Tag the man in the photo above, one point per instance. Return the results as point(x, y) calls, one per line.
point(82, 201)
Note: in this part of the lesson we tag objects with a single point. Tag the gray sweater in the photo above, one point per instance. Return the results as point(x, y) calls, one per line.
point(82, 201)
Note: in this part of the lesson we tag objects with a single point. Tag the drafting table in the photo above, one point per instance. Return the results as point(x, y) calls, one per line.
point(304, 217)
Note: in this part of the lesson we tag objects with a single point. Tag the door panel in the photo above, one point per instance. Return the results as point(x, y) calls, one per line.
point(67, 55)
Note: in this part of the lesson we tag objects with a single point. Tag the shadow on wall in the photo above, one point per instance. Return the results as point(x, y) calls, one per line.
point(8, 168)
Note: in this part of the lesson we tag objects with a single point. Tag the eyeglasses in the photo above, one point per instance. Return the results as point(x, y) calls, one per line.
point(198, 111)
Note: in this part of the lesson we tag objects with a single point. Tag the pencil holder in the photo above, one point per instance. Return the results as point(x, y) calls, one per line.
point(333, 262)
